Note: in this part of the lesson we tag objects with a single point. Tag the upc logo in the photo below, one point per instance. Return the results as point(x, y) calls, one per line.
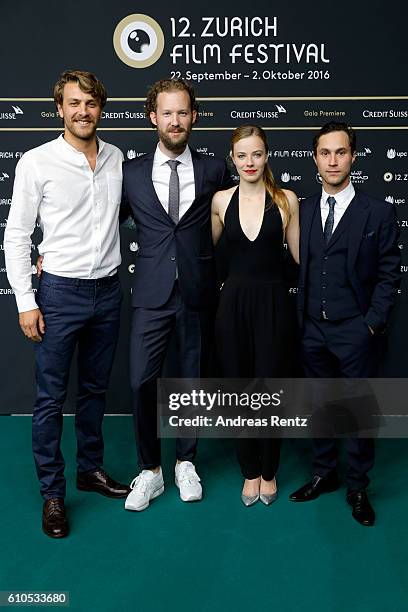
point(393, 200)
point(391, 153)
point(138, 41)
point(285, 177)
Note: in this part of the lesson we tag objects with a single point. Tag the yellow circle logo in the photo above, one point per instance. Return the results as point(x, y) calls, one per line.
point(138, 41)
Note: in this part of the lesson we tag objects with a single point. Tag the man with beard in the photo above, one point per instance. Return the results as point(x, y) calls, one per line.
point(72, 185)
point(168, 193)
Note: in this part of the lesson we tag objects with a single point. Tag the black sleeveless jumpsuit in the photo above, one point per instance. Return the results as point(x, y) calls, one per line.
point(255, 319)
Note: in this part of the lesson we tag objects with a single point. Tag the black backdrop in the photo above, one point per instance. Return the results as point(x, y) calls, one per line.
point(289, 67)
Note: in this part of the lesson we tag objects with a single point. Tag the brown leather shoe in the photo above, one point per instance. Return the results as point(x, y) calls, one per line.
point(100, 482)
point(54, 520)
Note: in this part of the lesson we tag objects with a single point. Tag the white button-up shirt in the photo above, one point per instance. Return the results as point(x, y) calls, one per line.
point(161, 179)
point(77, 210)
point(343, 199)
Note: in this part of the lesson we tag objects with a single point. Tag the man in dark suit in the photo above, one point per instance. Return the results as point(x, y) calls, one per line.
point(168, 193)
point(349, 275)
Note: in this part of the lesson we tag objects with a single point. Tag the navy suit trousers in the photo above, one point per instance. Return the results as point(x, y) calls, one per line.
point(346, 349)
point(152, 329)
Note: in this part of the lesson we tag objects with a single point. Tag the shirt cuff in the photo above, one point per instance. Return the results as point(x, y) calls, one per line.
point(26, 302)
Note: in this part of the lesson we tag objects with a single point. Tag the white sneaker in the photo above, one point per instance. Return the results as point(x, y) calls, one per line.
point(188, 481)
point(145, 487)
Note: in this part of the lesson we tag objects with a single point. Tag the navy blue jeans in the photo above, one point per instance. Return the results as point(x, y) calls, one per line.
point(84, 314)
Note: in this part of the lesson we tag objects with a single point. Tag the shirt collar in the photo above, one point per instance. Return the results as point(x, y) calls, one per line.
point(184, 158)
point(342, 197)
point(67, 147)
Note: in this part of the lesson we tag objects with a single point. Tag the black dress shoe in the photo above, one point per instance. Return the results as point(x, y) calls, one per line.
point(317, 486)
point(363, 511)
point(100, 482)
point(54, 520)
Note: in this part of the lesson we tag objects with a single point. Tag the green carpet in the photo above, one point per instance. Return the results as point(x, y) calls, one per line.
point(214, 555)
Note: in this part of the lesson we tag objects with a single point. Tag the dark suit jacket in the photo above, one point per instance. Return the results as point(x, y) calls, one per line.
point(373, 259)
point(163, 245)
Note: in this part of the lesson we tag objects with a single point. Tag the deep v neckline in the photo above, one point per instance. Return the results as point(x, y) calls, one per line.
point(240, 224)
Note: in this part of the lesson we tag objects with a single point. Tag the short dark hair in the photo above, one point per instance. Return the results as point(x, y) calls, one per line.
point(87, 82)
point(165, 85)
point(335, 126)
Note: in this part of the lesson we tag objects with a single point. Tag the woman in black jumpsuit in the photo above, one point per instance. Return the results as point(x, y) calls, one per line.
point(255, 319)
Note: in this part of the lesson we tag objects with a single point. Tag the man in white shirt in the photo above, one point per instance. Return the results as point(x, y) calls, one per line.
point(72, 186)
point(349, 276)
point(168, 193)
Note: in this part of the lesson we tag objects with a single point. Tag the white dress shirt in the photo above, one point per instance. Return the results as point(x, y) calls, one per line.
point(77, 209)
point(161, 179)
point(343, 199)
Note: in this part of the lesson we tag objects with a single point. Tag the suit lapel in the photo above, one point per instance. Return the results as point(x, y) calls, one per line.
point(307, 216)
point(198, 166)
point(359, 216)
point(198, 169)
point(151, 192)
point(344, 222)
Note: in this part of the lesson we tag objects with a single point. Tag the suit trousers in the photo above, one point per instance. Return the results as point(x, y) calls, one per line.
point(151, 331)
point(83, 314)
point(341, 349)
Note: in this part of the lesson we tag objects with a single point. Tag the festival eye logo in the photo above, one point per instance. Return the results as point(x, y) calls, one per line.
point(138, 41)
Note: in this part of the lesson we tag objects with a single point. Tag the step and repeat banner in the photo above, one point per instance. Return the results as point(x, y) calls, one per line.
point(289, 67)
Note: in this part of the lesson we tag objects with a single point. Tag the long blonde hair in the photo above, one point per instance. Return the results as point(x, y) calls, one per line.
point(276, 193)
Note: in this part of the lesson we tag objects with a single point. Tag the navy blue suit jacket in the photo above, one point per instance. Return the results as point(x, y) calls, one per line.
point(163, 245)
point(373, 258)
